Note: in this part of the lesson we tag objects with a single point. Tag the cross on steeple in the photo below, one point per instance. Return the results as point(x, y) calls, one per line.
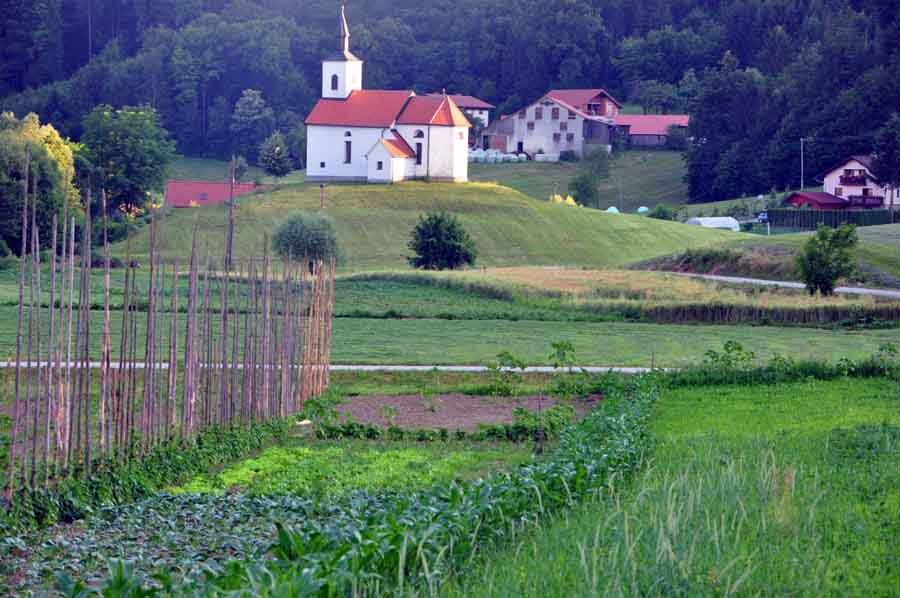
point(345, 32)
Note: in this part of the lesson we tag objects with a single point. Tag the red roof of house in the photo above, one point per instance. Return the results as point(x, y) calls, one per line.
point(433, 110)
point(464, 101)
point(580, 98)
point(186, 194)
point(650, 124)
point(817, 198)
point(362, 108)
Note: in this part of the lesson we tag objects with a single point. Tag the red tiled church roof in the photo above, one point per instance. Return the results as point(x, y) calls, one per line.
point(380, 108)
point(433, 110)
point(185, 194)
point(650, 124)
point(398, 147)
point(362, 108)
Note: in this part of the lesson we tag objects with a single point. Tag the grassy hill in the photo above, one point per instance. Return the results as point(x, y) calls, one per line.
point(637, 178)
point(204, 169)
point(373, 224)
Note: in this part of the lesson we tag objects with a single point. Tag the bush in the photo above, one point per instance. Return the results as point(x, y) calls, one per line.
point(676, 138)
point(97, 261)
point(306, 235)
point(568, 156)
point(440, 243)
point(826, 258)
point(662, 212)
point(274, 156)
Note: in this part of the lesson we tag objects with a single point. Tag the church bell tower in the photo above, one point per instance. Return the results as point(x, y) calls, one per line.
point(342, 71)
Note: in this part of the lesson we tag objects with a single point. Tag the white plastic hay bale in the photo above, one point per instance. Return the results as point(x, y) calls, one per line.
point(612, 210)
point(522, 157)
point(643, 210)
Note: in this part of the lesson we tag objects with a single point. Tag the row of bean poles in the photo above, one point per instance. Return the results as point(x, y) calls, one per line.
point(204, 343)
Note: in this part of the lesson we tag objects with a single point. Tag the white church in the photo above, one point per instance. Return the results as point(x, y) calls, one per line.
point(377, 136)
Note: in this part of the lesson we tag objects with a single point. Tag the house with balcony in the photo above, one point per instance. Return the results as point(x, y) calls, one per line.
point(848, 185)
point(576, 120)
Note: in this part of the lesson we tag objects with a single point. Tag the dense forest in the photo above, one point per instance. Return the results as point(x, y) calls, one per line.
point(756, 75)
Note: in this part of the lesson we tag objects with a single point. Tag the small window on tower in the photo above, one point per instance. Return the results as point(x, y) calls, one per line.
point(334, 82)
point(321, 164)
point(380, 165)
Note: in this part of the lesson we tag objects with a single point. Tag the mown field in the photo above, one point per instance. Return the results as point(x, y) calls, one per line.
point(752, 490)
point(374, 222)
point(637, 178)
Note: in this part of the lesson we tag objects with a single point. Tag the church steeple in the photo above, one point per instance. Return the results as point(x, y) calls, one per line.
point(341, 72)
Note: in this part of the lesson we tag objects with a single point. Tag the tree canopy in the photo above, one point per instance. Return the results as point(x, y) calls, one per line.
point(129, 153)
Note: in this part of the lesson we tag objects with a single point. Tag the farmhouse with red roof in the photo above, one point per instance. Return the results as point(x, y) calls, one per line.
point(576, 120)
point(377, 136)
point(849, 185)
point(474, 108)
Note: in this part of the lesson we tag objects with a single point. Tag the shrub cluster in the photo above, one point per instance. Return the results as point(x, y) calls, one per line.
point(378, 543)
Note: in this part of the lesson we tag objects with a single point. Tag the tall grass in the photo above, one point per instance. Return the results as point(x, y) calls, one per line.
point(807, 516)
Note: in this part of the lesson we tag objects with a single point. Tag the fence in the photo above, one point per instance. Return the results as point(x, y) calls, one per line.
point(810, 219)
point(199, 345)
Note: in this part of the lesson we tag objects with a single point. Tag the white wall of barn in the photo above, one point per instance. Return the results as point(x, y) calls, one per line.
point(541, 136)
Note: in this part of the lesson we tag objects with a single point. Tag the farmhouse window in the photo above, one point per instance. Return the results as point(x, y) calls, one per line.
point(321, 164)
point(538, 113)
point(563, 127)
point(531, 126)
point(556, 137)
point(866, 192)
point(838, 191)
point(554, 114)
point(571, 115)
point(348, 152)
point(380, 165)
point(570, 137)
point(334, 82)
point(521, 114)
point(418, 154)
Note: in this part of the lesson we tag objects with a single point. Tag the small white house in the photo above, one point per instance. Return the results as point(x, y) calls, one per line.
point(381, 136)
point(576, 120)
point(720, 222)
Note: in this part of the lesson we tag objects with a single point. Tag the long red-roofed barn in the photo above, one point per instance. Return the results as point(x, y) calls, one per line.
point(190, 194)
point(381, 136)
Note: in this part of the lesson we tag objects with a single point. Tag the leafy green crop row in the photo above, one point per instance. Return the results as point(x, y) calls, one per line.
point(370, 543)
point(115, 483)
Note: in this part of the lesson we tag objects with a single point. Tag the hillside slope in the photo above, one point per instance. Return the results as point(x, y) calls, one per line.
point(374, 222)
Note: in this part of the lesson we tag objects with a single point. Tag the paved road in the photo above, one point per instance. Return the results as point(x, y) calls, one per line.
point(389, 368)
point(792, 285)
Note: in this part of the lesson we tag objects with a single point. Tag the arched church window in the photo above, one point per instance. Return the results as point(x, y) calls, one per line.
point(419, 135)
point(334, 82)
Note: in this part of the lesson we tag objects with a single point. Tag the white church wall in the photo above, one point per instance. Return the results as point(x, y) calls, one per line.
point(349, 78)
point(379, 156)
point(325, 152)
point(409, 132)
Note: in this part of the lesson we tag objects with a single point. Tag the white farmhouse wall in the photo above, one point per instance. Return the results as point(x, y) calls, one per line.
point(325, 145)
point(481, 115)
point(832, 183)
point(540, 138)
point(349, 74)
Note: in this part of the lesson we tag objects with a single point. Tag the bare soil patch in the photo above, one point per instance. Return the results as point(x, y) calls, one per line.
point(451, 411)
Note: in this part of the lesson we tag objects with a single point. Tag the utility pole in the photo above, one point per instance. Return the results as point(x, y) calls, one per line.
point(802, 165)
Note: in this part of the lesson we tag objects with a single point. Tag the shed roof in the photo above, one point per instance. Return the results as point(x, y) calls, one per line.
point(186, 194)
point(650, 124)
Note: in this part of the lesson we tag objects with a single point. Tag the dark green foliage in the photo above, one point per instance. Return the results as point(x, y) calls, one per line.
point(129, 152)
point(676, 138)
point(274, 156)
point(826, 258)
point(251, 123)
point(440, 242)
point(593, 169)
point(662, 212)
point(568, 156)
point(887, 153)
point(307, 235)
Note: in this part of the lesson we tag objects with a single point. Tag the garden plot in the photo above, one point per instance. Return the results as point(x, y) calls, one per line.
point(450, 411)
